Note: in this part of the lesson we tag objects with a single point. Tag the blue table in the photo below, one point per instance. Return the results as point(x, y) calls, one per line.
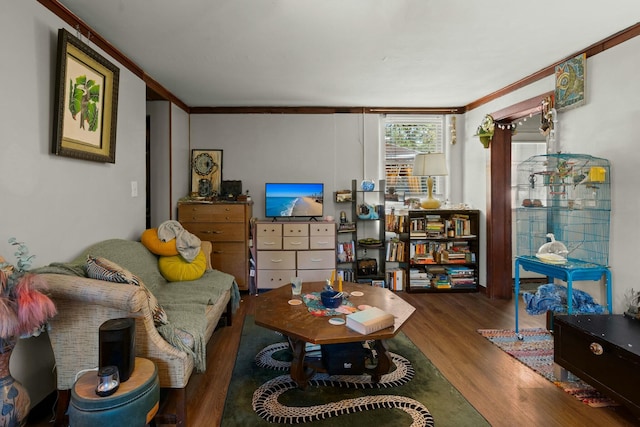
point(572, 270)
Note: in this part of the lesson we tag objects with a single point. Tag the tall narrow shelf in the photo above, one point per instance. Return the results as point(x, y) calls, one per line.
point(396, 249)
point(443, 250)
point(368, 214)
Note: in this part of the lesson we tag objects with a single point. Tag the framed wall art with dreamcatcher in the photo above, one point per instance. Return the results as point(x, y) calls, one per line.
point(206, 172)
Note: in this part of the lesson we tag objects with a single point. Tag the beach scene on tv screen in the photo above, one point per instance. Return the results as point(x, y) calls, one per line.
point(293, 200)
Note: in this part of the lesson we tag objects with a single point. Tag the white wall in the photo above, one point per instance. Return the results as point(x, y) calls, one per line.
point(159, 113)
point(58, 205)
point(180, 156)
point(607, 126)
point(260, 148)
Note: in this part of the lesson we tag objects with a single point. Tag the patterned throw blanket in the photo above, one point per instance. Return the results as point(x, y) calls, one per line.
point(184, 302)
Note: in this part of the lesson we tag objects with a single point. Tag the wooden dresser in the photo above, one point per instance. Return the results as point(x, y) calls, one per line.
point(294, 249)
point(226, 226)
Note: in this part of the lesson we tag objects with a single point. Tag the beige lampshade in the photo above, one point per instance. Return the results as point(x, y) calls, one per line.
point(430, 164)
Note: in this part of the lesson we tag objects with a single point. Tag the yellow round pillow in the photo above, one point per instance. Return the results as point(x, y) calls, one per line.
point(177, 269)
point(151, 241)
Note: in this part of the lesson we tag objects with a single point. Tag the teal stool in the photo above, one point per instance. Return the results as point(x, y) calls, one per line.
point(135, 403)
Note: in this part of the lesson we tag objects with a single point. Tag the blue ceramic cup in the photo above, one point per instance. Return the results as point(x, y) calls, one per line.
point(330, 300)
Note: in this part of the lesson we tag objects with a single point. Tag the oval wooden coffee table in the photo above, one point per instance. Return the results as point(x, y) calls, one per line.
point(300, 327)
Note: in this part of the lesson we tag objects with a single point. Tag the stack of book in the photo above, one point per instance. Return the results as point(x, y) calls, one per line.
point(435, 226)
point(441, 281)
point(419, 279)
point(453, 257)
point(461, 277)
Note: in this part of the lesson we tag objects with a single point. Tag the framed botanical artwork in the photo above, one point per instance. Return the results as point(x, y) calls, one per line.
point(206, 172)
point(86, 102)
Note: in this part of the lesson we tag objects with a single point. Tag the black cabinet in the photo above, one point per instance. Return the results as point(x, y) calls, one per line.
point(602, 350)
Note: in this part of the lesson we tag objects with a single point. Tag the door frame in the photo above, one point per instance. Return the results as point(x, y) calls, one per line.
point(499, 223)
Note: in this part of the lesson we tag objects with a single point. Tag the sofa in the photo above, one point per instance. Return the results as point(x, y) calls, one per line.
point(85, 303)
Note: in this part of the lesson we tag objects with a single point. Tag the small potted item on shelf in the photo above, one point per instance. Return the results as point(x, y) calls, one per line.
point(366, 211)
point(367, 185)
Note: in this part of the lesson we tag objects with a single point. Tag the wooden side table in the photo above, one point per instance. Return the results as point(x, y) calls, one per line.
point(135, 403)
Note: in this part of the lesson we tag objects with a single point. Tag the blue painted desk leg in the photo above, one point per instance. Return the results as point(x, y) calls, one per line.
point(569, 293)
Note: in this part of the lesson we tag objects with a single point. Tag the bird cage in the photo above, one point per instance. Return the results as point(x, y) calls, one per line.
point(569, 196)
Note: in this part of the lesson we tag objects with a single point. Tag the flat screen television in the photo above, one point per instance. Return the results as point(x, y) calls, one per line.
point(290, 200)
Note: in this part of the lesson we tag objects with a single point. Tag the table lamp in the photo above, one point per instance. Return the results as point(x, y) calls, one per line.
point(430, 164)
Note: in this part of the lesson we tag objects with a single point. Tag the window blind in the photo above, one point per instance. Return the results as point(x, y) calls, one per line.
point(405, 136)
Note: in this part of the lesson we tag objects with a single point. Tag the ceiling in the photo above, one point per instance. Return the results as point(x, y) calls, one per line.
point(391, 53)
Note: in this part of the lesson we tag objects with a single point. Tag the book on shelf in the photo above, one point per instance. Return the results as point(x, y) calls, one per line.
point(397, 279)
point(395, 251)
point(396, 223)
point(370, 320)
point(347, 274)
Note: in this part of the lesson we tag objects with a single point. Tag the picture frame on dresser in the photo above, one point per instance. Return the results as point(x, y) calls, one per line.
point(206, 172)
point(343, 196)
point(86, 102)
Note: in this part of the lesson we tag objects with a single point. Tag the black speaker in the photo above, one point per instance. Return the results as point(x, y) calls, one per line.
point(230, 189)
point(117, 346)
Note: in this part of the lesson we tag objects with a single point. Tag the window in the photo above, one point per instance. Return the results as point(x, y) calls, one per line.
point(405, 136)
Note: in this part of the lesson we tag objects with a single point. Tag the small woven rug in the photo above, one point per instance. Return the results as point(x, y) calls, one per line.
point(535, 350)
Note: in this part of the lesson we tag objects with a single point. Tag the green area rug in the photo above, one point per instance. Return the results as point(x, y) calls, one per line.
point(415, 394)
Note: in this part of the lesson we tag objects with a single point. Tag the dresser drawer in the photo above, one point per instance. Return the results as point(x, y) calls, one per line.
point(216, 232)
point(231, 258)
point(295, 243)
point(295, 230)
point(268, 230)
point(270, 279)
point(269, 243)
point(322, 229)
point(316, 260)
point(211, 213)
point(276, 260)
point(322, 242)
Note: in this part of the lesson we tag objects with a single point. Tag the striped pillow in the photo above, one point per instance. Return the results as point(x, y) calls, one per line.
point(102, 269)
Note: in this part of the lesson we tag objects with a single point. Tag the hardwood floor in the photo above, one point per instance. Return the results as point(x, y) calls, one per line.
point(444, 327)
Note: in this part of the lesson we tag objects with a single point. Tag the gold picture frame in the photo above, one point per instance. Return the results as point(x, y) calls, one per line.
point(206, 172)
point(86, 100)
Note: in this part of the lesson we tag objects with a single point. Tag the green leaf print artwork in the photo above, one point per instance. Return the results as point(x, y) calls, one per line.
point(84, 96)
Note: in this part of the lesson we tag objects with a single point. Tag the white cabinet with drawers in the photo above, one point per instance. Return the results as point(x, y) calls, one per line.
point(286, 250)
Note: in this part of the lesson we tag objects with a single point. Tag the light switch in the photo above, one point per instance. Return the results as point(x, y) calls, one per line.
point(134, 188)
